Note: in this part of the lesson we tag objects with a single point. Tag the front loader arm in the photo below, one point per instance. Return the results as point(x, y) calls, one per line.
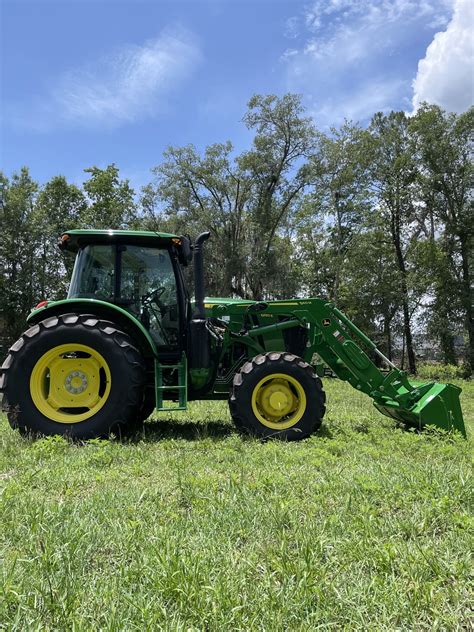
point(338, 342)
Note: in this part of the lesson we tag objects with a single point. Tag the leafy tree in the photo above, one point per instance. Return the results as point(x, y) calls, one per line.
point(334, 209)
point(370, 287)
point(445, 148)
point(277, 168)
point(394, 181)
point(208, 192)
point(17, 251)
point(444, 309)
point(60, 206)
point(112, 201)
point(246, 201)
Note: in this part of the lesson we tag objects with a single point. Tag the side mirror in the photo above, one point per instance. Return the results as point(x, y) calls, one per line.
point(185, 253)
point(63, 241)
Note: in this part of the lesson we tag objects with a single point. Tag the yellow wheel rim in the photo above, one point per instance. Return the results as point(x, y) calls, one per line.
point(279, 401)
point(70, 383)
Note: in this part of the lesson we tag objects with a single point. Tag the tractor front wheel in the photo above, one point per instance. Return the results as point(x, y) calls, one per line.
point(72, 375)
point(277, 395)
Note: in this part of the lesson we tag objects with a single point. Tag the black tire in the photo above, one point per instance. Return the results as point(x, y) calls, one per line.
point(147, 407)
point(262, 366)
point(126, 365)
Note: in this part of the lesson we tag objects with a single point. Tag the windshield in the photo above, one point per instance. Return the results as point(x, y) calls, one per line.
point(138, 278)
point(94, 274)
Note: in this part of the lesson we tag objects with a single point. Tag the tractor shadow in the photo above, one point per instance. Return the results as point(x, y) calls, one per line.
point(323, 432)
point(153, 431)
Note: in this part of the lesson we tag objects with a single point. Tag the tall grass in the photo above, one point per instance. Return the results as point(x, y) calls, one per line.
point(187, 526)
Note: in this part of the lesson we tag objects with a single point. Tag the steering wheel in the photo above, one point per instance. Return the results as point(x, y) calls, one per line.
point(147, 300)
point(154, 297)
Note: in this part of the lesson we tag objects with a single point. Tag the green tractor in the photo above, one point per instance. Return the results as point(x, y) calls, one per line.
point(129, 340)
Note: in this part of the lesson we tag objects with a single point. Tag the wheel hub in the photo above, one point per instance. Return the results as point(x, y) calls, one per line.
point(278, 401)
point(70, 383)
point(76, 382)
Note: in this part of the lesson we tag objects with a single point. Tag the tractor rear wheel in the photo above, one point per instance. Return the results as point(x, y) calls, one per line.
point(147, 407)
point(277, 395)
point(72, 375)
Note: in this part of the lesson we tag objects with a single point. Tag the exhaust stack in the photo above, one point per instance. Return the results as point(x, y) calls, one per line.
point(199, 312)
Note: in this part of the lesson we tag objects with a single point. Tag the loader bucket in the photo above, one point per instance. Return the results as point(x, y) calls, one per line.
point(439, 406)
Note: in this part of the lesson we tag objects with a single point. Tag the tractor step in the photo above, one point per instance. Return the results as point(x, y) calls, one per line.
point(171, 378)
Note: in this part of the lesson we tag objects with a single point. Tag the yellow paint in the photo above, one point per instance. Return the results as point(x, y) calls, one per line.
point(60, 380)
point(279, 401)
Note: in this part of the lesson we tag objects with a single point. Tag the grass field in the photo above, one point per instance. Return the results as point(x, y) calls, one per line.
point(190, 527)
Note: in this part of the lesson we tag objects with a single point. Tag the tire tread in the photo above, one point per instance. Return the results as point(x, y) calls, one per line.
point(267, 359)
point(136, 372)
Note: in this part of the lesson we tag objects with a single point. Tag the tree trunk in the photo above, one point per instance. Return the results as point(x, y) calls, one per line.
point(407, 330)
point(467, 299)
point(404, 289)
point(402, 361)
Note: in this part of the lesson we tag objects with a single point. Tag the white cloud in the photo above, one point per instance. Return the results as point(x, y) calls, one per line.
point(291, 27)
point(446, 73)
point(346, 31)
point(379, 12)
point(349, 59)
point(129, 85)
point(289, 52)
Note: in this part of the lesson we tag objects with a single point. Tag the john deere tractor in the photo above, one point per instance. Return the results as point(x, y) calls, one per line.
point(128, 339)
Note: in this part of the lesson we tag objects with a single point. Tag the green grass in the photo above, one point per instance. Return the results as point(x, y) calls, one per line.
point(190, 527)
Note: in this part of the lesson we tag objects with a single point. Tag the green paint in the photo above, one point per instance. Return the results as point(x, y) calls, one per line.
point(171, 379)
point(249, 328)
point(86, 306)
point(335, 339)
point(79, 238)
point(199, 378)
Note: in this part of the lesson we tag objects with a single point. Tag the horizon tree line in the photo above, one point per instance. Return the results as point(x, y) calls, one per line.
point(378, 219)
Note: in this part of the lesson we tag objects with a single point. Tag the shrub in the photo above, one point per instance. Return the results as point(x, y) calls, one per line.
point(443, 372)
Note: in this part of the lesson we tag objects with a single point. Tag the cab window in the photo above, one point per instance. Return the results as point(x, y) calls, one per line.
point(137, 278)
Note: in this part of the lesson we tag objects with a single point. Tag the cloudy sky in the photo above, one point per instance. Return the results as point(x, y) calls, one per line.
point(90, 82)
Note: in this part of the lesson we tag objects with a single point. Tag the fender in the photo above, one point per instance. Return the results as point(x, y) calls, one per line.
point(101, 309)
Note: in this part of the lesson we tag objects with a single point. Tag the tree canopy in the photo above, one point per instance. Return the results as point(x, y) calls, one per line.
point(378, 219)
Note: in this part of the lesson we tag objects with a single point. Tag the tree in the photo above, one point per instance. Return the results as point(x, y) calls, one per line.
point(17, 251)
point(445, 148)
point(370, 287)
point(246, 201)
point(60, 206)
point(335, 208)
point(394, 182)
point(205, 192)
point(444, 310)
point(277, 168)
point(112, 201)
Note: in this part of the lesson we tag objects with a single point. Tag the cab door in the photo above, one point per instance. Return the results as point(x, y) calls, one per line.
point(148, 289)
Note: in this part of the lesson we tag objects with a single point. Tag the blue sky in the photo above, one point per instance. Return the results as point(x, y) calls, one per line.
point(91, 82)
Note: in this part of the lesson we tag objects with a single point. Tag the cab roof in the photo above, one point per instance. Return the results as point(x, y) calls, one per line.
point(72, 240)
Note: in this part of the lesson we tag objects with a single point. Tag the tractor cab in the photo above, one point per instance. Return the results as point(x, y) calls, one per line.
point(137, 271)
